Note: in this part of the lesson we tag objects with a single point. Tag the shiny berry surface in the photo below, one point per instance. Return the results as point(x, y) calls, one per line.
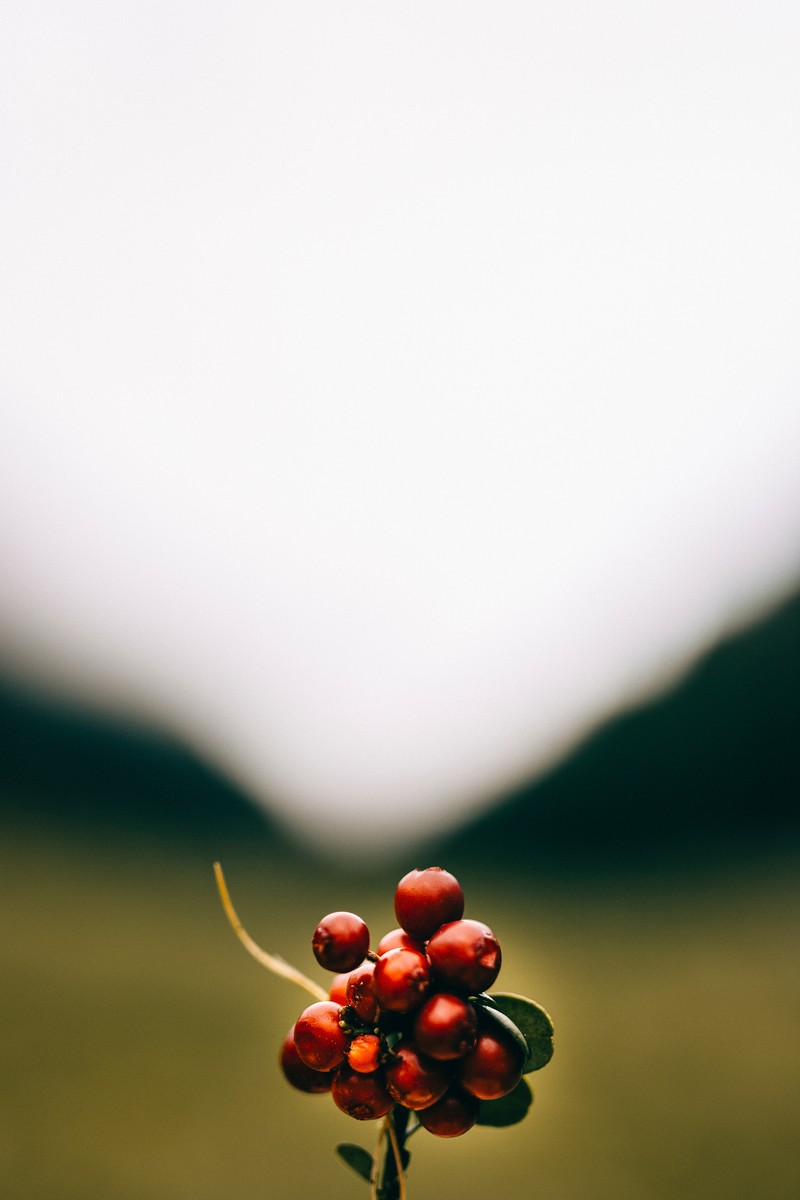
point(340, 941)
point(298, 1074)
point(405, 1032)
point(493, 1067)
point(363, 1097)
point(424, 900)
point(361, 993)
point(397, 939)
point(465, 956)
point(445, 1027)
point(401, 980)
point(454, 1114)
point(319, 1040)
point(338, 988)
point(414, 1081)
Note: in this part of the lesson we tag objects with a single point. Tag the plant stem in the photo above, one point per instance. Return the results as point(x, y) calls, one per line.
point(377, 1160)
point(391, 1173)
point(271, 961)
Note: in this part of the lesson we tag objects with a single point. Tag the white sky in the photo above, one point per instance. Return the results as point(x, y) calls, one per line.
point(390, 388)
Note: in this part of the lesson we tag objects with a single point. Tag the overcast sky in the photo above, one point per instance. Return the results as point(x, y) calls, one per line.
point(389, 389)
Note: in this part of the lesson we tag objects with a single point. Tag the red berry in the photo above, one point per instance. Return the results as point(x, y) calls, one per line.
point(415, 1082)
point(338, 989)
point(300, 1076)
point(361, 1096)
point(445, 1027)
point(401, 980)
point(424, 900)
point(363, 1053)
point(340, 941)
point(361, 994)
point(454, 1114)
point(398, 939)
point(465, 956)
point(319, 1040)
point(493, 1067)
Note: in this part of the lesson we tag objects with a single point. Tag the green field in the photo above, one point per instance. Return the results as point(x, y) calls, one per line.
point(139, 1041)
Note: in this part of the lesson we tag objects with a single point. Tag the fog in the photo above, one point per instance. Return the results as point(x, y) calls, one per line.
point(388, 392)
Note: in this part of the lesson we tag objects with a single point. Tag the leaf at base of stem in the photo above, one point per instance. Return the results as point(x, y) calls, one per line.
point(356, 1158)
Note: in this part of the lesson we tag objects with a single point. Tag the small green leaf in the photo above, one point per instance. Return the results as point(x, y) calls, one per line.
point(357, 1158)
point(534, 1023)
point(508, 1110)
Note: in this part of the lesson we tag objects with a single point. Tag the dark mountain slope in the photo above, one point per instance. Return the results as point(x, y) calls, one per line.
point(712, 766)
point(68, 766)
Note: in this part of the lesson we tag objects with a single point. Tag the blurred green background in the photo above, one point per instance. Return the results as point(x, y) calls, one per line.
point(646, 892)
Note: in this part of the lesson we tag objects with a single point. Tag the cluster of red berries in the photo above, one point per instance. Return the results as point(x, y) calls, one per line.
point(405, 1024)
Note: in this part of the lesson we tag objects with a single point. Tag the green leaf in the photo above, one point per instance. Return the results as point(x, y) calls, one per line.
point(508, 1110)
point(357, 1158)
point(534, 1023)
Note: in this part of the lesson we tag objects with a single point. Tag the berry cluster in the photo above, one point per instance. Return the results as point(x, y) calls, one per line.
point(410, 1024)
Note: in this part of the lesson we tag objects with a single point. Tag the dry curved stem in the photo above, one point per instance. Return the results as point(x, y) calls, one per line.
point(271, 961)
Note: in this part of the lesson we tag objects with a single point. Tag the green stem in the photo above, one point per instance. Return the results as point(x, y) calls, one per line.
point(391, 1186)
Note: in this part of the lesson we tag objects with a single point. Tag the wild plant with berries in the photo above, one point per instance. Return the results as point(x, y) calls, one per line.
point(408, 1034)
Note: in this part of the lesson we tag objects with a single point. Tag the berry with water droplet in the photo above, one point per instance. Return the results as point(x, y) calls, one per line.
point(320, 1041)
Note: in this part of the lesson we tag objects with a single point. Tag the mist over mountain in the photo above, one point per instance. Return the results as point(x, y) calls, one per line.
point(712, 766)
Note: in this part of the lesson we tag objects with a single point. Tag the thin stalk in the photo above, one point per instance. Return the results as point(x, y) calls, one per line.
point(389, 1181)
point(271, 961)
point(398, 1161)
point(377, 1161)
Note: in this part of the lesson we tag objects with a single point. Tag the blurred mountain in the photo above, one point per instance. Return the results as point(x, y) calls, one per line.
point(709, 769)
point(64, 766)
